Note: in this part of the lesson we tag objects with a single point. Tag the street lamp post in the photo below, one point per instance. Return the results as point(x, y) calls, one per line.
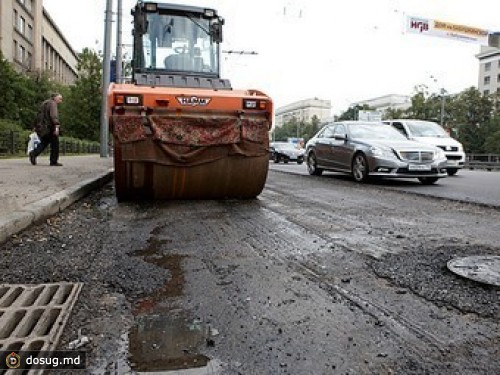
point(443, 92)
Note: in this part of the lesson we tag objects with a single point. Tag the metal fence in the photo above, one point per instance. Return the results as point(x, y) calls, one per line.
point(15, 143)
point(483, 161)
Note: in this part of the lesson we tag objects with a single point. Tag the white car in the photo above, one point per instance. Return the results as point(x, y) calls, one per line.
point(433, 134)
point(285, 152)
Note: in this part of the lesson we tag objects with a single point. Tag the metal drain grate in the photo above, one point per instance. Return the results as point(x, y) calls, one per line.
point(32, 317)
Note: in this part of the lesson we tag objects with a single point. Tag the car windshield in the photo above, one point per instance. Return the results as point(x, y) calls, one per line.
point(374, 131)
point(179, 44)
point(286, 146)
point(426, 129)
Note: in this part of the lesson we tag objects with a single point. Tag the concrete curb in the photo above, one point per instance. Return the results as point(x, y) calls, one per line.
point(17, 221)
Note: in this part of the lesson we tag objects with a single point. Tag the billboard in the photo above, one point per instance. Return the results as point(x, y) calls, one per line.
point(425, 26)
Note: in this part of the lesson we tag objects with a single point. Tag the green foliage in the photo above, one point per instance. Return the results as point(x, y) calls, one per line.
point(80, 113)
point(492, 137)
point(297, 129)
point(470, 113)
point(22, 94)
point(492, 143)
point(10, 82)
point(287, 130)
point(9, 125)
point(352, 112)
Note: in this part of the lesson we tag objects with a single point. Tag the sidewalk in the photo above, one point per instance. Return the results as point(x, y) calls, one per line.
point(30, 193)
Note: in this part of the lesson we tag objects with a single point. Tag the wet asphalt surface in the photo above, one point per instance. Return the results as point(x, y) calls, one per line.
point(316, 276)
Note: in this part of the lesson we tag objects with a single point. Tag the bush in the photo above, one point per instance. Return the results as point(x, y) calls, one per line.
point(9, 125)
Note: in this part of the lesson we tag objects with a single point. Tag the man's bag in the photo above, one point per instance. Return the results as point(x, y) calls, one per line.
point(33, 142)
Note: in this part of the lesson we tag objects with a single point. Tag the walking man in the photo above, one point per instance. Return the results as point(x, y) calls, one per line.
point(47, 127)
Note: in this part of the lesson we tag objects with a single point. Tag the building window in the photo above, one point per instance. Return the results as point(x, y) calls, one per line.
point(20, 53)
point(487, 80)
point(15, 18)
point(28, 60)
point(498, 78)
point(487, 67)
point(29, 35)
point(21, 25)
point(15, 50)
point(486, 92)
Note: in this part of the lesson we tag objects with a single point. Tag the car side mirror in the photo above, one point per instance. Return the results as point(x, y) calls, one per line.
point(340, 137)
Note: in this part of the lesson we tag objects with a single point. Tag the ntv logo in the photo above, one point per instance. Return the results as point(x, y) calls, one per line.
point(419, 25)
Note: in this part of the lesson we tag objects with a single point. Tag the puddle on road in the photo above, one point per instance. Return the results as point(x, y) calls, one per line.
point(166, 343)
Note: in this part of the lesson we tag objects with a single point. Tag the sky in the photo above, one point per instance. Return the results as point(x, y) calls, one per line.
point(342, 51)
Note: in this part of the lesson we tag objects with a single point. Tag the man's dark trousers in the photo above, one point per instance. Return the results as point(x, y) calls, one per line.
point(53, 141)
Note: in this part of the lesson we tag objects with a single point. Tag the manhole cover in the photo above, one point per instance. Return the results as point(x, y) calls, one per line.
point(485, 269)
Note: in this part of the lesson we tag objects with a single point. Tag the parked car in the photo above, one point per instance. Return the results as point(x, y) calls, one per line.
point(432, 133)
point(286, 152)
point(365, 149)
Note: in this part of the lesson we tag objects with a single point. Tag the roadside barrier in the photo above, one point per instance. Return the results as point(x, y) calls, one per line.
point(483, 161)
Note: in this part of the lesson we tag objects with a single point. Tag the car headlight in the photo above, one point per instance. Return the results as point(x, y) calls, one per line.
point(382, 152)
point(439, 154)
point(460, 148)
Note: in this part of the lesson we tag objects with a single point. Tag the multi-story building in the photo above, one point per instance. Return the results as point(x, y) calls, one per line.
point(31, 40)
point(489, 71)
point(303, 110)
point(383, 103)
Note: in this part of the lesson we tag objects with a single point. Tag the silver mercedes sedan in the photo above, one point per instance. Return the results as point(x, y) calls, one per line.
point(372, 149)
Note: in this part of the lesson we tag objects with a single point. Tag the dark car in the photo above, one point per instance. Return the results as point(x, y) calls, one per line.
point(285, 152)
point(365, 149)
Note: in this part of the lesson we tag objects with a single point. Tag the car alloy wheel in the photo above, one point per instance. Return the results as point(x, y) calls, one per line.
point(359, 168)
point(312, 167)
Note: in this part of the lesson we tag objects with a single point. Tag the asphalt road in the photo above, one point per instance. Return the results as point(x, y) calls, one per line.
point(327, 277)
point(474, 186)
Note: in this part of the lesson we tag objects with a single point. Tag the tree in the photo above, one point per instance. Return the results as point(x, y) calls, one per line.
point(39, 87)
point(22, 94)
point(310, 128)
point(471, 114)
point(393, 113)
point(10, 82)
point(492, 137)
point(81, 112)
point(419, 108)
point(287, 130)
point(352, 112)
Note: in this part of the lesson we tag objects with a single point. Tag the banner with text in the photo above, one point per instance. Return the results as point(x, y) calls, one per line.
point(449, 30)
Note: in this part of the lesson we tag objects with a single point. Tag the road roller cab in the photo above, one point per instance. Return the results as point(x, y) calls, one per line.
point(180, 131)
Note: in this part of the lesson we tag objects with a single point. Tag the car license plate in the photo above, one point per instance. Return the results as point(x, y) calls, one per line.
point(452, 162)
point(419, 167)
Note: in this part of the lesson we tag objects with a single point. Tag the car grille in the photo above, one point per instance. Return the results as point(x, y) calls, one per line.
point(417, 155)
point(449, 148)
point(406, 171)
point(453, 157)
